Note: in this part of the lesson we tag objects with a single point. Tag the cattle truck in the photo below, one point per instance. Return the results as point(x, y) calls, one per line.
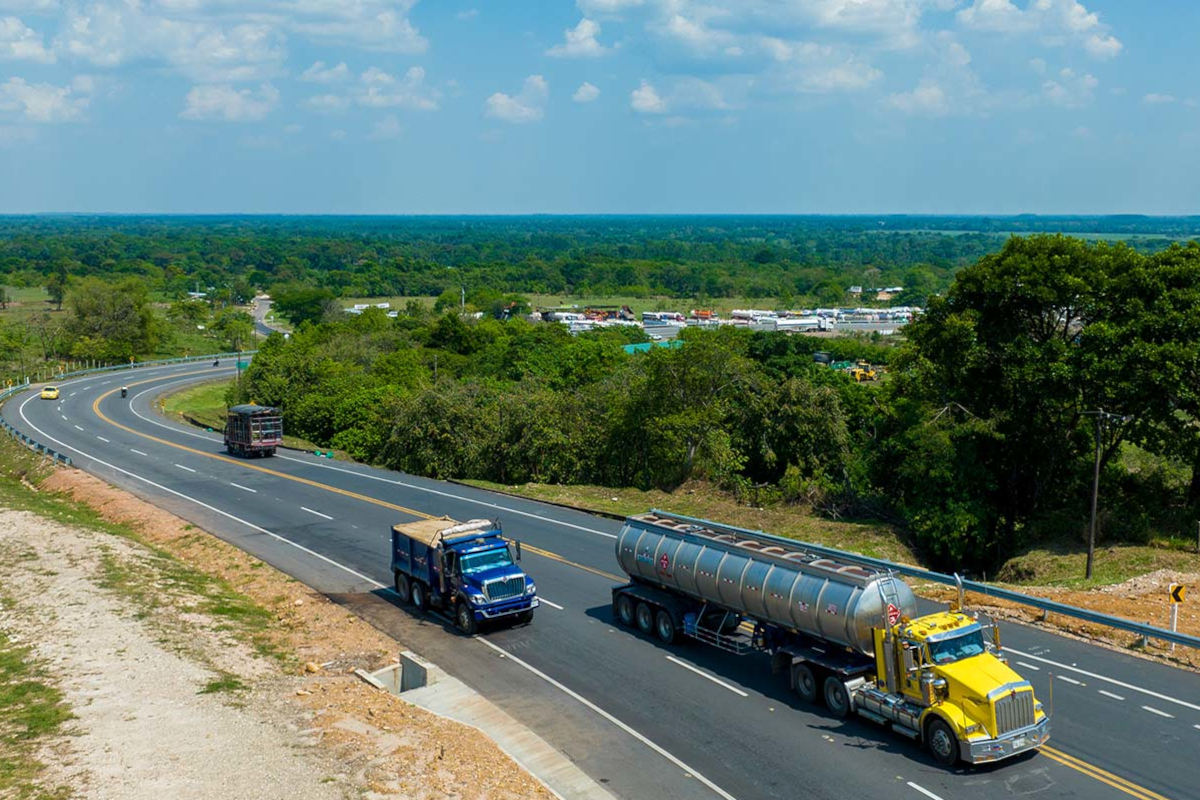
point(253, 430)
point(847, 634)
point(467, 568)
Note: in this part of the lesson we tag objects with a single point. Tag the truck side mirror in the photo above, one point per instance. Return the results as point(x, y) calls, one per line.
point(910, 661)
point(518, 543)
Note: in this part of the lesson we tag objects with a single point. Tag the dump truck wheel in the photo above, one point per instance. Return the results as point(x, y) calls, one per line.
point(419, 597)
point(837, 699)
point(465, 619)
point(645, 619)
point(805, 683)
point(403, 588)
point(942, 743)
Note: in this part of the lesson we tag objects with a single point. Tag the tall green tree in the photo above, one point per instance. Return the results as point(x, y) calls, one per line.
point(112, 321)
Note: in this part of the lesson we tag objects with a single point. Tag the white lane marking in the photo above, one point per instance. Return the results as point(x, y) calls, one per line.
point(1110, 694)
point(924, 791)
point(626, 728)
point(106, 383)
point(1029, 666)
point(181, 466)
point(370, 477)
point(101, 438)
point(1153, 710)
point(318, 513)
point(1197, 727)
point(78, 428)
point(547, 602)
point(704, 674)
point(64, 416)
point(1113, 681)
point(139, 452)
point(1069, 680)
point(243, 488)
point(72, 394)
point(200, 503)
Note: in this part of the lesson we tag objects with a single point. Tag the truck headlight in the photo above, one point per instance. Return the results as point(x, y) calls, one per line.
point(530, 588)
point(974, 729)
point(478, 599)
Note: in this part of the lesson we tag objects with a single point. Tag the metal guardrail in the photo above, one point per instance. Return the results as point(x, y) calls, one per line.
point(62, 458)
point(1049, 606)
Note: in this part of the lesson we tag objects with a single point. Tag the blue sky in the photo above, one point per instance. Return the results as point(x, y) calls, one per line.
point(605, 106)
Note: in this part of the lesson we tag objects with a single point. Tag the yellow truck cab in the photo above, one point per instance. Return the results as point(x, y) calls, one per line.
point(972, 704)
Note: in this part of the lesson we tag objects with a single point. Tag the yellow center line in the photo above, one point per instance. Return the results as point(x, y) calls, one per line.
point(1077, 764)
point(315, 484)
point(1104, 776)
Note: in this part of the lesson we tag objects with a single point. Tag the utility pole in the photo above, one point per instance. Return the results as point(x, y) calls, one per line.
point(464, 299)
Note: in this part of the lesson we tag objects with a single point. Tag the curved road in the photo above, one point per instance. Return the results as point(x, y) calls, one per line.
point(647, 720)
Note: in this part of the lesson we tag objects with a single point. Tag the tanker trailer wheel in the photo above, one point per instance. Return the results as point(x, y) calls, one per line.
point(625, 610)
point(403, 587)
point(645, 619)
point(664, 626)
point(420, 598)
point(465, 619)
point(805, 683)
point(837, 699)
point(942, 743)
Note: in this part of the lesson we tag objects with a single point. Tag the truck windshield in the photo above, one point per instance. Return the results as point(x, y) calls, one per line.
point(957, 647)
point(476, 562)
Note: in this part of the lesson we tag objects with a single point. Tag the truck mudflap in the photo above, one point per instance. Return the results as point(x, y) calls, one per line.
point(983, 751)
point(507, 609)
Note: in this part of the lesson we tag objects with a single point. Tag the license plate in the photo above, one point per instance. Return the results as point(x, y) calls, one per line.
point(1019, 743)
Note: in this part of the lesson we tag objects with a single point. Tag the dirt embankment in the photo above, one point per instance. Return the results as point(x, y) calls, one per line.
point(195, 670)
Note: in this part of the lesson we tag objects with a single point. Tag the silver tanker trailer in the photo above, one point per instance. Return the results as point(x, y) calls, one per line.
point(847, 634)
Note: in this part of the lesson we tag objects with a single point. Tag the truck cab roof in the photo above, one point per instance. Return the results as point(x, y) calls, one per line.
point(940, 625)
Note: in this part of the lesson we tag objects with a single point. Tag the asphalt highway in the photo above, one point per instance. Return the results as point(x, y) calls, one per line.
point(645, 719)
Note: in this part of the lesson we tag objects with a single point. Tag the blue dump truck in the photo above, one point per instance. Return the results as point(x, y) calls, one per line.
point(467, 568)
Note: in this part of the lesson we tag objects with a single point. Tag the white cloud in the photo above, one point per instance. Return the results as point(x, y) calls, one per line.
point(326, 103)
point(29, 6)
point(1070, 90)
point(319, 73)
point(386, 128)
point(1156, 99)
point(225, 103)
point(645, 99)
point(928, 98)
point(42, 102)
point(586, 93)
point(606, 7)
point(1038, 65)
point(580, 42)
point(527, 106)
point(382, 90)
point(372, 24)
point(1056, 21)
point(19, 42)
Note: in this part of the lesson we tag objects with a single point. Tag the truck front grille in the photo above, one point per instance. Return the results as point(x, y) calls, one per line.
point(504, 588)
point(1014, 712)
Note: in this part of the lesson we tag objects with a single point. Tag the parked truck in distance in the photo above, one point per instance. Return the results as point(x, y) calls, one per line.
point(847, 634)
point(253, 430)
point(467, 568)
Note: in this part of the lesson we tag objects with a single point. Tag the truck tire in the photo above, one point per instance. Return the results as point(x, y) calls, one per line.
point(837, 699)
point(420, 595)
point(624, 610)
point(464, 618)
point(943, 745)
point(664, 626)
point(645, 619)
point(804, 682)
point(403, 587)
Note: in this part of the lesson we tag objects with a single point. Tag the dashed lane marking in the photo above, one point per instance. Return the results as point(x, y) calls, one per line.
point(1065, 679)
point(139, 452)
point(243, 488)
point(189, 469)
point(704, 674)
point(1110, 694)
point(315, 513)
point(101, 438)
point(924, 791)
point(547, 602)
point(1029, 666)
point(1112, 681)
point(1154, 710)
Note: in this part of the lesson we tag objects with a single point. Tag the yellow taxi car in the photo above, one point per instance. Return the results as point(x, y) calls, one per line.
point(49, 392)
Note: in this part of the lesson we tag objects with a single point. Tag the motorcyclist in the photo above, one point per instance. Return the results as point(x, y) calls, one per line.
point(216, 362)
point(124, 391)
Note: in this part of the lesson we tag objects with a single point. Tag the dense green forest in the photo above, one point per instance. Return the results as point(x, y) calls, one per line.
point(979, 443)
point(802, 260)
